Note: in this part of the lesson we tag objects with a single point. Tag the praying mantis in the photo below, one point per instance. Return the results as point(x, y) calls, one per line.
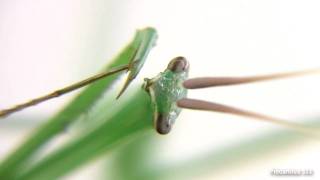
point(167, 96)
point(168, 92)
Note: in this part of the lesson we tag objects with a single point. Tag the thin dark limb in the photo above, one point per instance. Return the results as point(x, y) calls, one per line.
point(131, 75)
point(203, 82)
point(133, 71)
point(215, 107)
point(57, 93)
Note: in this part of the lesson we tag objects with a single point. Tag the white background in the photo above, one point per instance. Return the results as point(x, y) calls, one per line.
point(45, 45)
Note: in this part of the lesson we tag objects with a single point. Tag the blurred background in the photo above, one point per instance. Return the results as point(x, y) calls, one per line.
point(45, 45)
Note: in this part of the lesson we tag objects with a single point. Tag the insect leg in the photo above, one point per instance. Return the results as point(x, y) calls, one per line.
point(57, 93)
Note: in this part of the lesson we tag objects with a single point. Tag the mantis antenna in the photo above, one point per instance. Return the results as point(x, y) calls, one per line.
point(204, 82)
point(59, 92)
point(215, 107)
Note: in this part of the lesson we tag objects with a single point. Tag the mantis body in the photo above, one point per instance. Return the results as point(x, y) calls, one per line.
point(168, 92)
point(167, 97)
point(165, 90)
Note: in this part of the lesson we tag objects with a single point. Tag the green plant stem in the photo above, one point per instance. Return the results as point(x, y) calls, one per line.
point(18, 160)
point(132, 119)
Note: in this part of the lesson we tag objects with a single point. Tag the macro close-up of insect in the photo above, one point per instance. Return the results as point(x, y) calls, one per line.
point(171, 104)
point(168, 90)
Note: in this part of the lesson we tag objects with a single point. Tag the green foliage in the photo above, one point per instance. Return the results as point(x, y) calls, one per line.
point(129, 127)
point(134, 117)
point(20, 159)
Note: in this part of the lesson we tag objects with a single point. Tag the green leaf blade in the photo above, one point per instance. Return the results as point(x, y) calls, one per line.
point(134, 118)
point(82, 103)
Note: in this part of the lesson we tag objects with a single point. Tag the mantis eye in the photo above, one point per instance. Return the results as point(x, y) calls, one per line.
point(163, 124)
point(178, 64)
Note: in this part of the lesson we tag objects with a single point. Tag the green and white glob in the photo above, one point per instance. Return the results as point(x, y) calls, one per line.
point(165, 90)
